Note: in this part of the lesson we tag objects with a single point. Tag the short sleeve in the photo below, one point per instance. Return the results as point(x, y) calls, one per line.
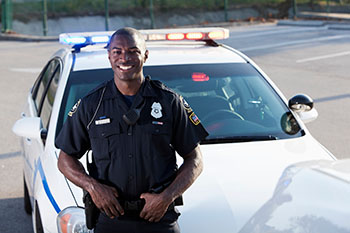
point(73, 138)
point(188, 131)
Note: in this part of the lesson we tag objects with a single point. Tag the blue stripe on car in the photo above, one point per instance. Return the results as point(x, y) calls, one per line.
point(46, 187)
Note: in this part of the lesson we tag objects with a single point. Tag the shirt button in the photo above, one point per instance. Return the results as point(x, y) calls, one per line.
point(130, 156)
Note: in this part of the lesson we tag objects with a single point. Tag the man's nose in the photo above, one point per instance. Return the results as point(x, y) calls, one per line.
point(125, 56)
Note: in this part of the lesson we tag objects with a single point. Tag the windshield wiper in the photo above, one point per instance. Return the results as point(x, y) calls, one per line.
point(239, 139)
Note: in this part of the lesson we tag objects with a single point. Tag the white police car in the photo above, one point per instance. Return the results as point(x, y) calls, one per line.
point(254, 131)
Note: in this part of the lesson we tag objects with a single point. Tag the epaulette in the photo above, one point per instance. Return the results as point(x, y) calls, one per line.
point(96, 89)
point(158, 84)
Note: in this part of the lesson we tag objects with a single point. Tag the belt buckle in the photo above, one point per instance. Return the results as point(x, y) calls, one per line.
point(132, 205)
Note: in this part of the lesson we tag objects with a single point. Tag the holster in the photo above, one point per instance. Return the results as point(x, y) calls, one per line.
point(91, 211)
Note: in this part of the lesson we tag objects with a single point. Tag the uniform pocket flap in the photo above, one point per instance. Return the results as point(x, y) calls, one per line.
point(157, 129)
point(98, 131)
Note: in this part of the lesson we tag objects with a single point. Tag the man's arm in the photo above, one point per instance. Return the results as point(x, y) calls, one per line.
point(157, 204)
point(104, 197)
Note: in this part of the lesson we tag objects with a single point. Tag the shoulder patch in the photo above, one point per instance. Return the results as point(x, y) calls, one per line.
point(194, 119)
point(186, 105)
point(74, 108)
point(191, 115)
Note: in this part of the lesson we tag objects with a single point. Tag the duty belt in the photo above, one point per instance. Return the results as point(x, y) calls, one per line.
point(133, 208)
point(132, 205)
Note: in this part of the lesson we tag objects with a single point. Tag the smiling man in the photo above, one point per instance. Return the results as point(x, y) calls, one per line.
point(134, 126)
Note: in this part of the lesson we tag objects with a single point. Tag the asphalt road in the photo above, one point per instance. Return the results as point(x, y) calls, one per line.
point(311, 60)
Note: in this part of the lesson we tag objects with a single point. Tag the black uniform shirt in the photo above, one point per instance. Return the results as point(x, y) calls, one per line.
point(133, 158)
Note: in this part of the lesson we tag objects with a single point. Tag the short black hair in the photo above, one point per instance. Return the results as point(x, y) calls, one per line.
point(128, 31)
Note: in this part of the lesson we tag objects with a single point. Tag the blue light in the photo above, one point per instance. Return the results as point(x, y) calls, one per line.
point(74, 40)
point(99, 39)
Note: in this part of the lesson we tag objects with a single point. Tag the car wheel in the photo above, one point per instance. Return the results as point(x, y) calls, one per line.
point(27, 204)
point(37, 219)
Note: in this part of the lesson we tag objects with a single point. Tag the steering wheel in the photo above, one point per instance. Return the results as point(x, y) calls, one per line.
point(221, 114)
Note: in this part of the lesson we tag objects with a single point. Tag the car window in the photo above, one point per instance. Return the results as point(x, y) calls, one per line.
point(46, 108)
point(231, 99)
point(42, 82)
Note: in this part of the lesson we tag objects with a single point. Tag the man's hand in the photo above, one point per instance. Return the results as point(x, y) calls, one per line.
point(105, 198)
point(155, 206)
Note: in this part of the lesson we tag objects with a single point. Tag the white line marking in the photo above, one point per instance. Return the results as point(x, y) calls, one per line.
point(293, 43)
point(281, 31)
point(323, 57)
point(26, 70)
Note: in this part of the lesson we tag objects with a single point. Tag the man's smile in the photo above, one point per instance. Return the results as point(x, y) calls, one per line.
point(125, 67)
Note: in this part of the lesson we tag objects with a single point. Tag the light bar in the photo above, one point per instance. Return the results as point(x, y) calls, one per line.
point(194, 36)
point(84, 39)
point(217, 35)
point(184, 34)
point(178, 34)
point(175, 36)
point(73, 40)
point(100, 39)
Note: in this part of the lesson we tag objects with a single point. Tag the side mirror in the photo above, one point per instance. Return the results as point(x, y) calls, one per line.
point(303, 105)
point(30, 127)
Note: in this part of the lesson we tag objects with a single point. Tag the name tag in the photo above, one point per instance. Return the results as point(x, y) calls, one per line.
point(103, 121)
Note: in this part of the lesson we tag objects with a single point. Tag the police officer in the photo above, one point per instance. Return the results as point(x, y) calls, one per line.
point(133, 125)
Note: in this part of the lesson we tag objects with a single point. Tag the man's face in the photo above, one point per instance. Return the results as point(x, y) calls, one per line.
point(127, 55)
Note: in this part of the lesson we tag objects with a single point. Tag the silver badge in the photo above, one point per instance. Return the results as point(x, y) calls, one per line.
point(156, 110)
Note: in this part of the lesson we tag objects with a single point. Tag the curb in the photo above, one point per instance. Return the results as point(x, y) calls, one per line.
point(339, 26)
point(307, 23)
point(325, 15)
point(26, 38)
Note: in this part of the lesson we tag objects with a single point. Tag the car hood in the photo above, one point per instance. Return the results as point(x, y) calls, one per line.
point(311, 197)
point(238, 178)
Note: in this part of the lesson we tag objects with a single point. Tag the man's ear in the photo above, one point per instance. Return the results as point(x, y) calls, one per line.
point(146, 55)
point(108, 52)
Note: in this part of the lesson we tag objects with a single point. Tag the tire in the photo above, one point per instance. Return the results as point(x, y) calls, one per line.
point(27, 205)
point(38, 224)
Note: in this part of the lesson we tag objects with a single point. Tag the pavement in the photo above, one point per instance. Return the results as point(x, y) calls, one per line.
point(335, 21)
point(27, 38)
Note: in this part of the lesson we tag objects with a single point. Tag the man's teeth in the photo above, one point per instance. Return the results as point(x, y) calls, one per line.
point(125, 67)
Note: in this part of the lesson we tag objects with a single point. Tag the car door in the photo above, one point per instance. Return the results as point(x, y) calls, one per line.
point(39, 104)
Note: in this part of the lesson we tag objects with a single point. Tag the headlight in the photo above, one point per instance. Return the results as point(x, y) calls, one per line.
point(72, 220)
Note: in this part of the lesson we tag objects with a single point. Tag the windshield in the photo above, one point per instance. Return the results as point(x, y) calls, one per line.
point(233, 101)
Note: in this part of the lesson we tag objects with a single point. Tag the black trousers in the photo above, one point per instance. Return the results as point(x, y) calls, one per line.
point(168, 224)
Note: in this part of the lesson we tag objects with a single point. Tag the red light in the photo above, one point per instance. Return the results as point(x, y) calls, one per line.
point(200, 77)
point(175, 36)
point(194, 36)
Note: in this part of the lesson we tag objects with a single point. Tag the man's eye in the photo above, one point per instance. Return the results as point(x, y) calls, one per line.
point(116, 52)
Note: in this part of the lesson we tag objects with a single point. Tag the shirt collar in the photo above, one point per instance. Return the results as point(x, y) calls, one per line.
point(112, 91)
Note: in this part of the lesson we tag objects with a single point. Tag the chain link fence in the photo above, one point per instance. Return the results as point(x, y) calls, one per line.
point(25, 11)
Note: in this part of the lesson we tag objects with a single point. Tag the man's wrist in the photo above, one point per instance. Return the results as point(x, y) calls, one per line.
point(89, 184)
point(167, 197)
